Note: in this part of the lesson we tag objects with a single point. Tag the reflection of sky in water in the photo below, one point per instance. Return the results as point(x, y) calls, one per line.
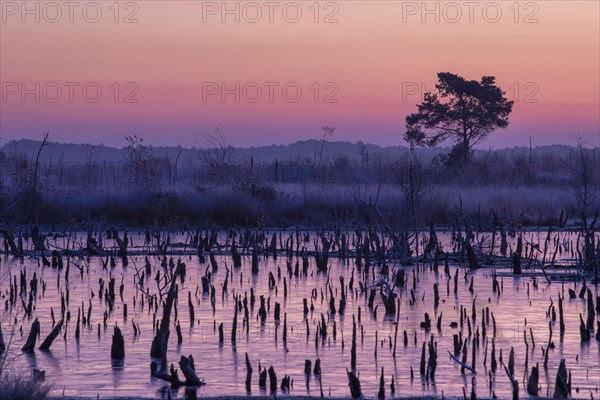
point(86, 369)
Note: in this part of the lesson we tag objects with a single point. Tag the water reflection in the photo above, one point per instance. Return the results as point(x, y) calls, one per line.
point(81, 366)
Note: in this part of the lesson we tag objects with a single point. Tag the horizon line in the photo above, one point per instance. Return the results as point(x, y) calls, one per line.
point(354, 143)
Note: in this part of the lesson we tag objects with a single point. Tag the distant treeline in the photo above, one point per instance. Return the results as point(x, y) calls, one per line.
point(320, 184)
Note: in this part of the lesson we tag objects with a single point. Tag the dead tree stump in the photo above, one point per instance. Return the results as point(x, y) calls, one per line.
point(533, 382)
point(33, 334)
point(117, 350)
point(50, 338)
point(248, 373)
point(354, 384)
point(516, 259)
point(561, 387)
point(189, 371)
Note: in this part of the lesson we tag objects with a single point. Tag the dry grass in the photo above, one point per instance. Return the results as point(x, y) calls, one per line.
point(15, 386)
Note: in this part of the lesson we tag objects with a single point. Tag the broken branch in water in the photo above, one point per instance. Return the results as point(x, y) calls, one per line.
point(462, 364)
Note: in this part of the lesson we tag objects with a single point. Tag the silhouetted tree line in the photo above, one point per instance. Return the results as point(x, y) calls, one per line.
point(97, 188)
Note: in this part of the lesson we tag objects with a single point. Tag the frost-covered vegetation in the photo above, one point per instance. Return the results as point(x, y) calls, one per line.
point(326, 184)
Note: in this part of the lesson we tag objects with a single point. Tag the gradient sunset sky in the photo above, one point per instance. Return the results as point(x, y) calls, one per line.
point(370, 58)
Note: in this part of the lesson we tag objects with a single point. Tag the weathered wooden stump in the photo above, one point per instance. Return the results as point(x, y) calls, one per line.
point(254, 262)
point(561, 315)
point(117, 350)
point(272, 379)
point(381, 392)
point(248, 373)
point(561, 387)
point(189, 371)
point(285, 383)
point(307, 367)
point(277, 313)
point(533, 382)
point(354, 385)
point(50, 338)
point(371, 298)
point(33, 334)
point(516, 259)
point(583, 330)
point(591, 312)
point(262, 378)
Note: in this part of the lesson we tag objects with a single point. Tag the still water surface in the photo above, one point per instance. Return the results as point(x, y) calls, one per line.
point(84, 367)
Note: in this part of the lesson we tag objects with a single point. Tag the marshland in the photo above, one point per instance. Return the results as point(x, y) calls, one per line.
point(221, 273)
point(125, 313)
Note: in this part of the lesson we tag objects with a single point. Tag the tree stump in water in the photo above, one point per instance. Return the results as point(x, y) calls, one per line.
point(423, 363)
point(354, 384)
point(560, 315)
point(511, 362)
point(583, 290)
point(117, 350)
point(583, 330)
point(381, 393)
point(305, 301)
point(426, 324)
point(262, 311)
point(532, 383)
point(262, 378)
point(272, 379)
point(471, 257)
point(159, 343)
point(591, 312)
point(285, 384)
point(432, 361)
point(205, 285)
point(50, 338)
point(33, 334)
point(514, 384)
point(277, 314)
point(234, 326)
point(516, 259)
point(307, 367)
point(254, 262)
point(189, 371)
point(389, 302)
point(248, 373)
point(213, 262)
point(371, 298)
point(179, 335)
point(561, 387)
point(191, 309)
point(317, 370)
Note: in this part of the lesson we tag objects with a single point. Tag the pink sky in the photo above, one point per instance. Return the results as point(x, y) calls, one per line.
point(373, 58)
